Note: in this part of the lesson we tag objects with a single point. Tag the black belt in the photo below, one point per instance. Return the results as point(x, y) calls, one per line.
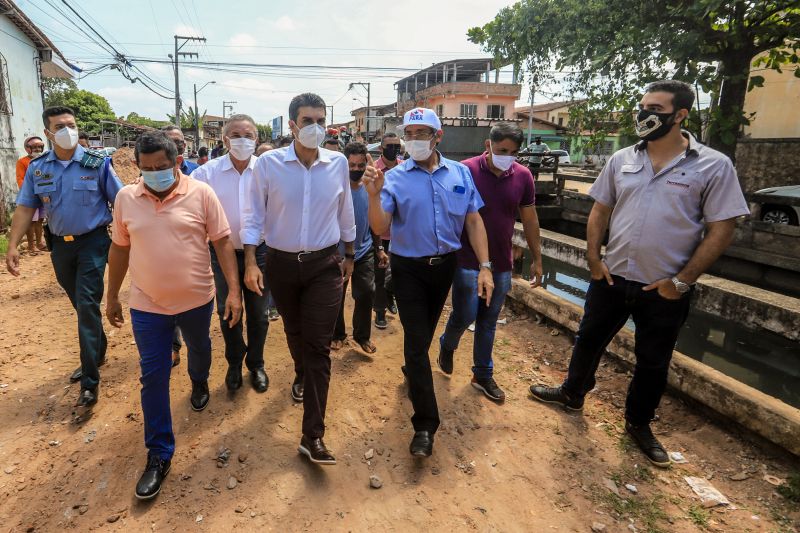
point(71, 238)
point(431, 260)
point(304, 257)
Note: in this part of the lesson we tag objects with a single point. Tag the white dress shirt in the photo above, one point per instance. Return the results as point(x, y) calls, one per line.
point(231, 189)
point(299, 209)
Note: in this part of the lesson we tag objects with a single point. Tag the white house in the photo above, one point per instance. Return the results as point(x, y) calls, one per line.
point(26, 56)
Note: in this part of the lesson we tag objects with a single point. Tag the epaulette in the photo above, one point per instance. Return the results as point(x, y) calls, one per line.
point(92, 159)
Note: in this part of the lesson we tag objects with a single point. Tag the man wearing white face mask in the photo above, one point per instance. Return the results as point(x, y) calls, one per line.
point(229, 176)
point(75, 187)
point(300, 204)
point(506, 188)
point(428, 201)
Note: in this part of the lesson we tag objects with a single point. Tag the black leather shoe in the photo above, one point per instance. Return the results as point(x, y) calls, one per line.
point(392, 307)
point(233, 379)
point(200, 395)
point(87, 398)
point(647, 442)
point(316, 451)
point(445, 360)
point(78, 373)
point(297, 389)
point(149, 484)
point(259, 379)
point(380, 320)
point(422, 444)
point(556, 395)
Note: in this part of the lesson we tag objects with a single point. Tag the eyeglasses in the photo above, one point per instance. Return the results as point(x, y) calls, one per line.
point(421, 136)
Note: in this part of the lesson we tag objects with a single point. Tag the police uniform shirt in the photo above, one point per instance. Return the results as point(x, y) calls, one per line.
point(75, 194)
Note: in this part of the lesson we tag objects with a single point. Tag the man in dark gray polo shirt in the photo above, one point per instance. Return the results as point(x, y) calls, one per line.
point(672, 205)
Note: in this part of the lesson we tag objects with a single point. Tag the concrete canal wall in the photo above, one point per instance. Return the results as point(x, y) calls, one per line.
point(766, 416)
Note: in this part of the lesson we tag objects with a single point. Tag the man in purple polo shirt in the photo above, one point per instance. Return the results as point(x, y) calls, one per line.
point(507, 189)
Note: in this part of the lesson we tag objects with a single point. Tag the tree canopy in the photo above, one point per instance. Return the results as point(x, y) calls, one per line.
point(90, 108)
point(607, 50)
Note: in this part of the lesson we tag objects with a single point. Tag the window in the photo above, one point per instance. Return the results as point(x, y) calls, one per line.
point(560, 121)
point(5, 89)
point(439, 110)
point(468, 111)
point(496, 111)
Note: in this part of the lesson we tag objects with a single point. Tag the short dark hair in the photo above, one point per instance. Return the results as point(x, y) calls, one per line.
point(388, 135)
point(304, 100)
point(203, 151)
point(682, 92)
point(220, 143)
point(32, 137)
point(170, 127)
point(355, 148)
point(54, 112)
point(506, 130)
point(83, 135)
point(286, 140)
point(151, 142)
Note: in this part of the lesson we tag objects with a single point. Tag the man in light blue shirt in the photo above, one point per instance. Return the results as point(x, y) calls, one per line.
point(427, 201)
point(75, 187)
point(363, 278)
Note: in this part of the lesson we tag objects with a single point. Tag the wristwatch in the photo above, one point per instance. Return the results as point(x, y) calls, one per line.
point(680, 286)
point(380, 248)
point(349, 256)
point(487, 264)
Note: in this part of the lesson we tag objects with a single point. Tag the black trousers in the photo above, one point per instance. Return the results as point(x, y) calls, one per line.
point(657, 321)
point(363, 293)
point(308, 295)
point(80, 265)
point(421, 292)
point(384, 285)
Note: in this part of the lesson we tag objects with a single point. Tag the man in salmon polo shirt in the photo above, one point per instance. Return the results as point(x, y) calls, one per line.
point(161, 229)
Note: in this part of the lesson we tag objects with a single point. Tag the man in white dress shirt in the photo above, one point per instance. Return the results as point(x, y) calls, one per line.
point(299, 200)
point(229, 176)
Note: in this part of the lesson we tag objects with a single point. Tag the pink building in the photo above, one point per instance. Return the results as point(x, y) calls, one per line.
point(464, 89)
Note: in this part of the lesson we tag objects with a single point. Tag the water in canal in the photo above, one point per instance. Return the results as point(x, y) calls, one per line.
point(761, 359)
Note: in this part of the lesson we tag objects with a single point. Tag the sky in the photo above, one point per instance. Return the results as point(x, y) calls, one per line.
point(401, 35)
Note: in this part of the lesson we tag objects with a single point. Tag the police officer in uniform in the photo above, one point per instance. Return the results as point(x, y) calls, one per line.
point(76, 187)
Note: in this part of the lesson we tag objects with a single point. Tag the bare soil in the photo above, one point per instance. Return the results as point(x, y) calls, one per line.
point(521, 466)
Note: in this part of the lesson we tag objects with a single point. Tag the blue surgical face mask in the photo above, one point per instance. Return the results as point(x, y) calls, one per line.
point(159, 180)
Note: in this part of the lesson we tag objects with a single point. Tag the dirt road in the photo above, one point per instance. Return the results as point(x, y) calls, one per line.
point(521, 466)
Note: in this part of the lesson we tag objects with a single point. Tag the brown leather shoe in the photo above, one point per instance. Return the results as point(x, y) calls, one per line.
point(316, 451)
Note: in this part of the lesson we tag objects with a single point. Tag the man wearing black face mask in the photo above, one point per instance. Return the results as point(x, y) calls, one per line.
point(670, 206)
point(363, 277)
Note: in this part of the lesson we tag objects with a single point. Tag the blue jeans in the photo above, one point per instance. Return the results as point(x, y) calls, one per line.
point(468, 308)
point(153, 334)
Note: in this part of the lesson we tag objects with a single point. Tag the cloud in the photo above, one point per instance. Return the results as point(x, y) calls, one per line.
point(285, 23)
point(243, 40)
point(187, 31)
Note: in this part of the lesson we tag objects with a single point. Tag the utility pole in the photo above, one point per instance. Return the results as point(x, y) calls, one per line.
point(178, 53)
point(331, 119)
point(197, 116)
point(530, 113)
point(227, 105)
point(365, 85)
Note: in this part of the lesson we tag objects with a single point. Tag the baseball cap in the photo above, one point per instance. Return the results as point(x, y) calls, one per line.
point(421, 116)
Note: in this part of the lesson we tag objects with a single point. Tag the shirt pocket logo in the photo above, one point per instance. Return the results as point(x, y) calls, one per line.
point(679, 182)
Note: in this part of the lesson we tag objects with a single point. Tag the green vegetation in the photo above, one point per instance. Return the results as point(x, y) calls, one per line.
point(698, 516)
point(646, 512)
point(791, 489)
point(3, 244)
point(607, 50)
point(90, 108)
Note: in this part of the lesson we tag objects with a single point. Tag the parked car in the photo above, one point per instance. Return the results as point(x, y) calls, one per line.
point(563, 156)
point(781, 213)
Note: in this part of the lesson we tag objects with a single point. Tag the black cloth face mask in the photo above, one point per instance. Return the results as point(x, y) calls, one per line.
point(391, 151)
point(651, 125)
point(355, 175)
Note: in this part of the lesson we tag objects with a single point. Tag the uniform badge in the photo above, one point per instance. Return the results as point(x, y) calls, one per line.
point(37, 173)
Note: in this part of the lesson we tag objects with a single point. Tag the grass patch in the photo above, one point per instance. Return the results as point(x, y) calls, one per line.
point(646, 512)
point(627, 474)
point(791, 489)
point(698, 516)
point(3, 245)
